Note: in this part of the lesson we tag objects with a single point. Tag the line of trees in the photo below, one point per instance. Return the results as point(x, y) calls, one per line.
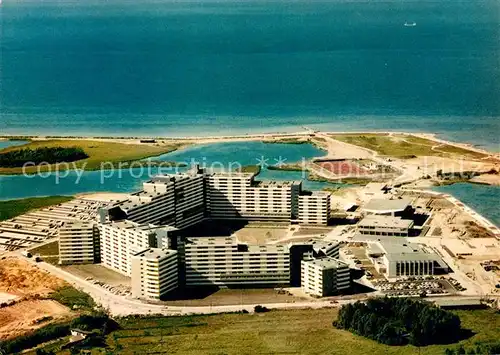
point(399, 321)
point(51, 155)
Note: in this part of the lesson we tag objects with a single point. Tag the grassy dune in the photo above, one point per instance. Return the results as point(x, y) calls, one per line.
point(405, 146)
point(98, 152)
point(12, 208)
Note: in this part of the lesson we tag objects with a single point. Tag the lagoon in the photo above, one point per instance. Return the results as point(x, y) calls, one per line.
point(217, 155)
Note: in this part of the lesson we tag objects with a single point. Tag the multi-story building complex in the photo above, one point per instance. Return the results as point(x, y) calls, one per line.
point(385, 225)
point(121, 240)
point(222, 261)
point(239, 196)
point(177, 200)
point(182, 200)
point(308, 250)
point(154, 273)
point(79, 243)
point(397, 259)
point(314, 208)
point(324, 277)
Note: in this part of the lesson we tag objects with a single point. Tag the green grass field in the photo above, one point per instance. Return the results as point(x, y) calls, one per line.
point(73, 298)
point(275, 332)
point(405, 146)
point(98, 152)
point(12, 208)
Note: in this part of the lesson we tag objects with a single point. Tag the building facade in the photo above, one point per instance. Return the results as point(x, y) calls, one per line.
point(385, 225)
point(79, 243)
point(405, 259)
point(239, 196)
point(314, 208)
point(123, 239)
point(154, 273)
point(222, 261)
point(324, 277)
point(176, 200)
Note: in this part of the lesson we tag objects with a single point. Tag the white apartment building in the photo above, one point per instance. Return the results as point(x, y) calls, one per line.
point(222, 261)
point(385, 225)
point(324, 248)
point(324, 277)
point(314, 208)
point(123, 239)
point(78, 243)
point(183, 200)
point(155, 272)
point(239, 196)
point(176, 200)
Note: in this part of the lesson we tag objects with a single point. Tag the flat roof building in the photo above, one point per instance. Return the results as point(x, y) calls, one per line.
point(155, 272)
point(398, 259)
point(176, 199)
point(223, 261)
point(79, 243)
point(314, 208)
point(385, 225)
point(324, 277)
point(240, 196)
point(121, 240)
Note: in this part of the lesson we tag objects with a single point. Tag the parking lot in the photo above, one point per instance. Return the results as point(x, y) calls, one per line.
point(418, 286)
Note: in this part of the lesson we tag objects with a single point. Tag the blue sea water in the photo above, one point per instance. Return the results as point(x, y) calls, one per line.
point(171, 68)
point(221, 155)
point(177, 68)
point(10, 143)
point(482, 198)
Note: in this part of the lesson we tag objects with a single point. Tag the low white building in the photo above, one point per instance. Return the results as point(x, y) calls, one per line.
point(385, 226)
point(399, 259)
point(155, 272)
point(79, 243)
point(324, 277)
point(387, 207)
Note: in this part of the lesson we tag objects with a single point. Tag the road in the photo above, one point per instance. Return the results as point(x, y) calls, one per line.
point(123, 306)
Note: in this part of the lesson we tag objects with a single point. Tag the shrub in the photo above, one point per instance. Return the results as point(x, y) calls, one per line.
point(260, 309)
point(51, 155)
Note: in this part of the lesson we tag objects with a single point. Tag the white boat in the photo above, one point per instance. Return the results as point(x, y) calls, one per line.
point(410, 24)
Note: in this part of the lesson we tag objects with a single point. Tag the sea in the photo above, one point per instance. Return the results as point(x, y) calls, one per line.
point(220, 67)
point(185, 67)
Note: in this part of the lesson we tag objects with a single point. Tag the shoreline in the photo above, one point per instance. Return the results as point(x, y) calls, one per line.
point(306, 132)
point(320, 139)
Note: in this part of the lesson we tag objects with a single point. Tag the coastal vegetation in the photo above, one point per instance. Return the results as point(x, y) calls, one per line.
point(304, 331)
point(100, 154)
point(13, 208)
point(50, 155)
point(73, 298)
point(288, 167)
point(254, 169)
point(287, 141)
point(405, 146)
point(400, 321)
